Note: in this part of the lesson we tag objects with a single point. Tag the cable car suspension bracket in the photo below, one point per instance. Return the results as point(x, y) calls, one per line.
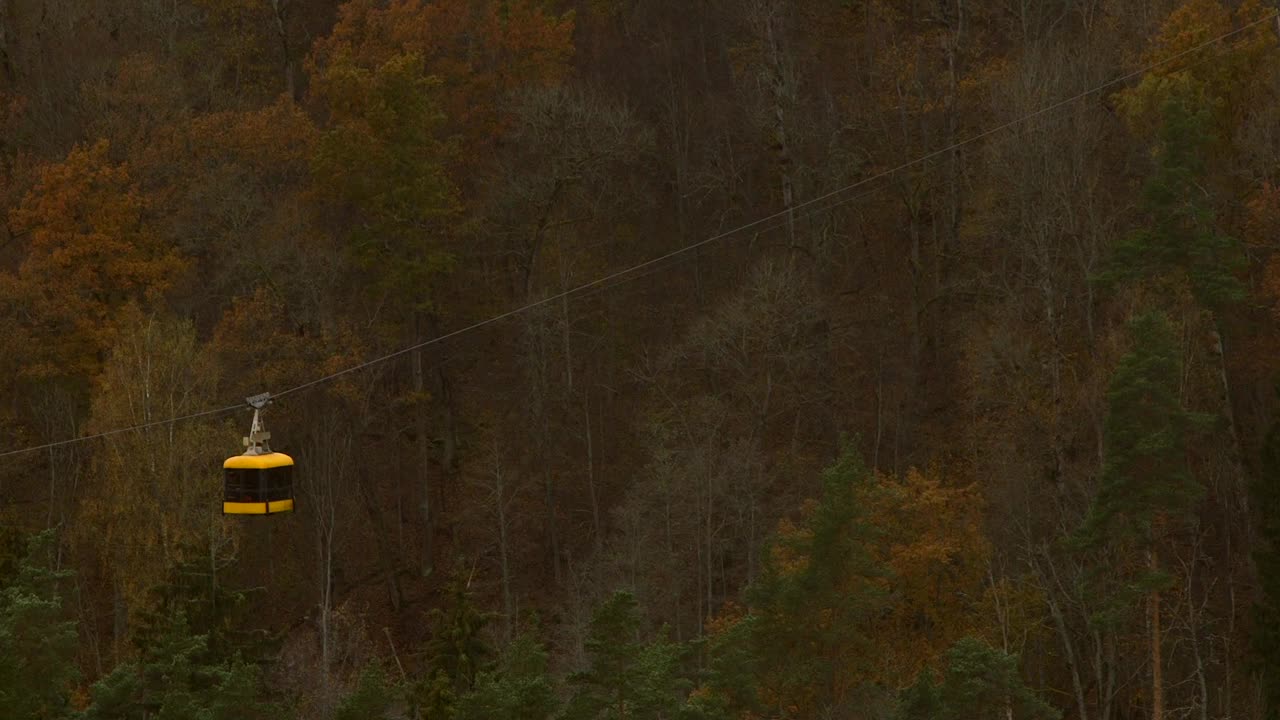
point(256, 442)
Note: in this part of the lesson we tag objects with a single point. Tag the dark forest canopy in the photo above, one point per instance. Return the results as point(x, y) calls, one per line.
point(992, 434)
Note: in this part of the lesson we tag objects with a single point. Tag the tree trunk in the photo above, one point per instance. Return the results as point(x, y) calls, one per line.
point(120, 616)
point(324, 538)
point(1068, 648)
point(779, 86)
point(591, 470)
point(388, 558)
point(53, 484)
point(280, 8)
point(500, 498)
point(1228, 409)
point(449, 429)
point(1157, 671)
point(424, 451)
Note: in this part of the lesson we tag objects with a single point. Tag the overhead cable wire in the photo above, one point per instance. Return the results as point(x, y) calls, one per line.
point(826, 201)
point(117, 431)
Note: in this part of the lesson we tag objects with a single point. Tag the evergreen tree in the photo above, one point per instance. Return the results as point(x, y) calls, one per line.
point(212, 609)
point(922, 700)
point(177, 678)
point(1146, 481)
point(733, 673)
point(371, 699)
point(805, 647)
point(980, 682)
point(1182, 240)
point(627, 679)
point(37, 644)
point(1145, 475)
point(817, 600)
point(457, 652)
point(381, 160)
point(519, 690)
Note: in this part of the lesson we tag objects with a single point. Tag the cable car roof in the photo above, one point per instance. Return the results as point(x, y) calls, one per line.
point(258, 462)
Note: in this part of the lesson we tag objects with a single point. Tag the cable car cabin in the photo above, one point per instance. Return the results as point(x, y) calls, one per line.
point(260, 484)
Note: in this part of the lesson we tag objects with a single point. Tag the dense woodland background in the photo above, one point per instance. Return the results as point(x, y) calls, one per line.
point(991, 436)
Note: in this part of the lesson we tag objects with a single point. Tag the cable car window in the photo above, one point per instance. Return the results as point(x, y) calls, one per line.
point(242, 485)
point(277, 483)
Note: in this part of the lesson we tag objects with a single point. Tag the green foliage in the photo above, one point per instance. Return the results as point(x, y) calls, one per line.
point(212, 609)
point(1183, 240)
point(371, 699)
point(732, 675)
point(921, 701)
point(1145, 475)
point(381, 159)
point(1265, 635)
point(37, 645)
point(818, 597)
point(520, 689)
point(177, 679)
point(805, 648)
point(626, 678)
point(457, 652)
point(980, 682)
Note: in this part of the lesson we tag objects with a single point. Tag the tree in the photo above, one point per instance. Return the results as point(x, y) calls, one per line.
point(371, 699)
point(1146, 485)
point(1146, 480)
point(176, 678)
point(380, 159)
point(1182, 243)
point(1265, 635)
point(233, 191)
point(90, 251)
point(817, 600)
point(627, 679)
point(518, 689)
point(979, 682)
point(155, 495)
point(1228, 79)
point(37, 643)
point(480, 50)
point(456, 652)
point(930, 541)
point(196, 588)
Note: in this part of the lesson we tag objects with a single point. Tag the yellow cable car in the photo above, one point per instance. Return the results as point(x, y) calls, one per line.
point(258, 482)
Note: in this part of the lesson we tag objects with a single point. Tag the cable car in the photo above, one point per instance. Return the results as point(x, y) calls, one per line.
point(257, 482)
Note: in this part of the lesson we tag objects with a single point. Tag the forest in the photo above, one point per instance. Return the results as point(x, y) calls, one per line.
point(642, 359)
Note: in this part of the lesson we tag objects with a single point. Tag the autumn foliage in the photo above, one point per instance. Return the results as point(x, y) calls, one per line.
point(757, 360)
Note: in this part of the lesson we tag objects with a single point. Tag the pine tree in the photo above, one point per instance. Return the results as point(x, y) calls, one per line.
point(381, 160)
point(805, 648)
point(1147, 484)
point(980, 682)
point(1182, 243)
point(215, 610)
point(627, 679)
point(177, 678)
point(37, 645)
point(457, 652)
point(817, 599)
point(370, 700)
point(520, 689)
point(1145, 476)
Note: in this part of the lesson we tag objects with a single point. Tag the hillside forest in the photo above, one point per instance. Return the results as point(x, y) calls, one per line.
point(642, 359)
